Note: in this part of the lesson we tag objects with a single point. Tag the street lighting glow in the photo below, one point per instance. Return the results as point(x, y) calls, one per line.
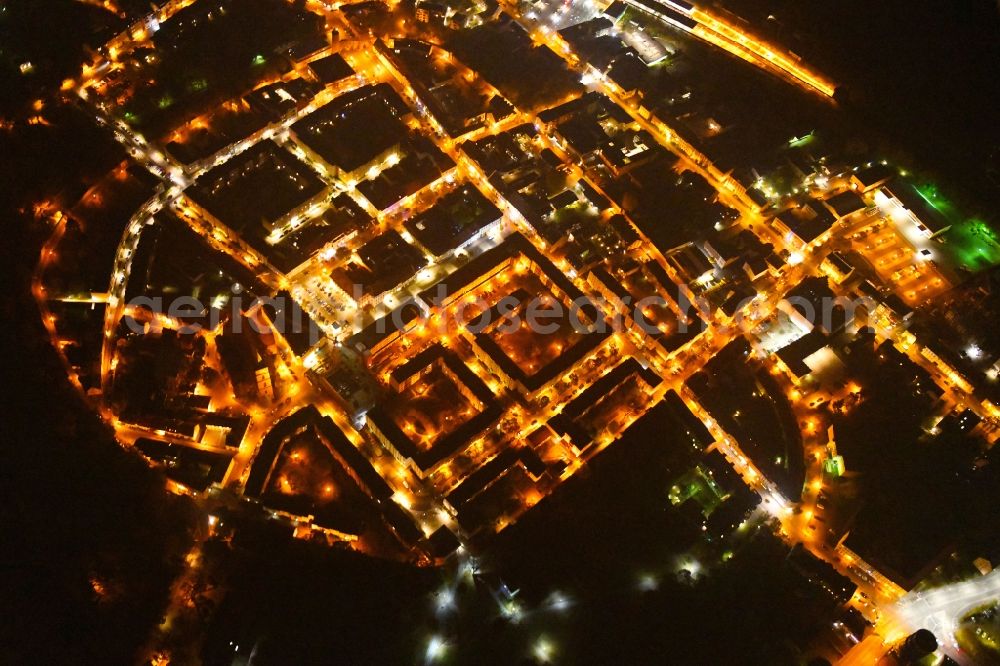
point(559, 601)
point(436, 648)
point(648, 582)
point(512, 611)
point(543, 650)
point(445, 599)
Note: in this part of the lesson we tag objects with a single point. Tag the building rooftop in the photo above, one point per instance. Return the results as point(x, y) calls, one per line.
point(794, 355)
point(872, 176)
point(921, 208)
point(453, 220)
point(372, 336)
point(616, 10)
point(331, 68)
point(807, 222)
point(257, 188)
point(385, 417)
point(840, 263)
point(845, 203)
point(386, 262)
point(355, 128)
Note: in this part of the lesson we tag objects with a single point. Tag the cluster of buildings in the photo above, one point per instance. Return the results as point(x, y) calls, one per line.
point(286, 443)
point(458, 100)
point(483, 409)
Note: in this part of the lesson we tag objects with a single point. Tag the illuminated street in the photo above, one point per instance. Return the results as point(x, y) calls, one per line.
point(558, 312)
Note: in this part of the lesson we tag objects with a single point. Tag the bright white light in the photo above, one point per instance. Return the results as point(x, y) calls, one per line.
point(436, 648)
point(974, 352)
point(512, 611)
point(795, 258)
point(559, 602)
point(467, 569)
point(445, 599)
point(648, 583)
point(544, 650)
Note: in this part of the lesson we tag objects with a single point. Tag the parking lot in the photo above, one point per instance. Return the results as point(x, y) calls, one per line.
point(910, 270)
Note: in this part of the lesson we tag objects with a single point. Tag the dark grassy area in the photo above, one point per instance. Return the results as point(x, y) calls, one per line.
point(91, 539)
point(216, 59)
point(296, 602)
point(53, 37)
point(56, 162)
point(599, 535)
point(919, 76)
point(921, 494)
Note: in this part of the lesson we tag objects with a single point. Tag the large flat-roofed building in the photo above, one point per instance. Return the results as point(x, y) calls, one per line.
point(905, 204)
point(455, 221)
point(386, 330)
point(381, 264)
point(615, 11)
point(257, 190)
point(691, 262)
point(356, 130)
point(846, 205)
point(871, 177)
point(795, 355)
point(802, 225)
point(649, 49)
point(840, 268)
point(330, 69)
point(581, 136)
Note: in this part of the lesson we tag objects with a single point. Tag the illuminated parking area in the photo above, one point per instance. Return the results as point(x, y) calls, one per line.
point(902, 254)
